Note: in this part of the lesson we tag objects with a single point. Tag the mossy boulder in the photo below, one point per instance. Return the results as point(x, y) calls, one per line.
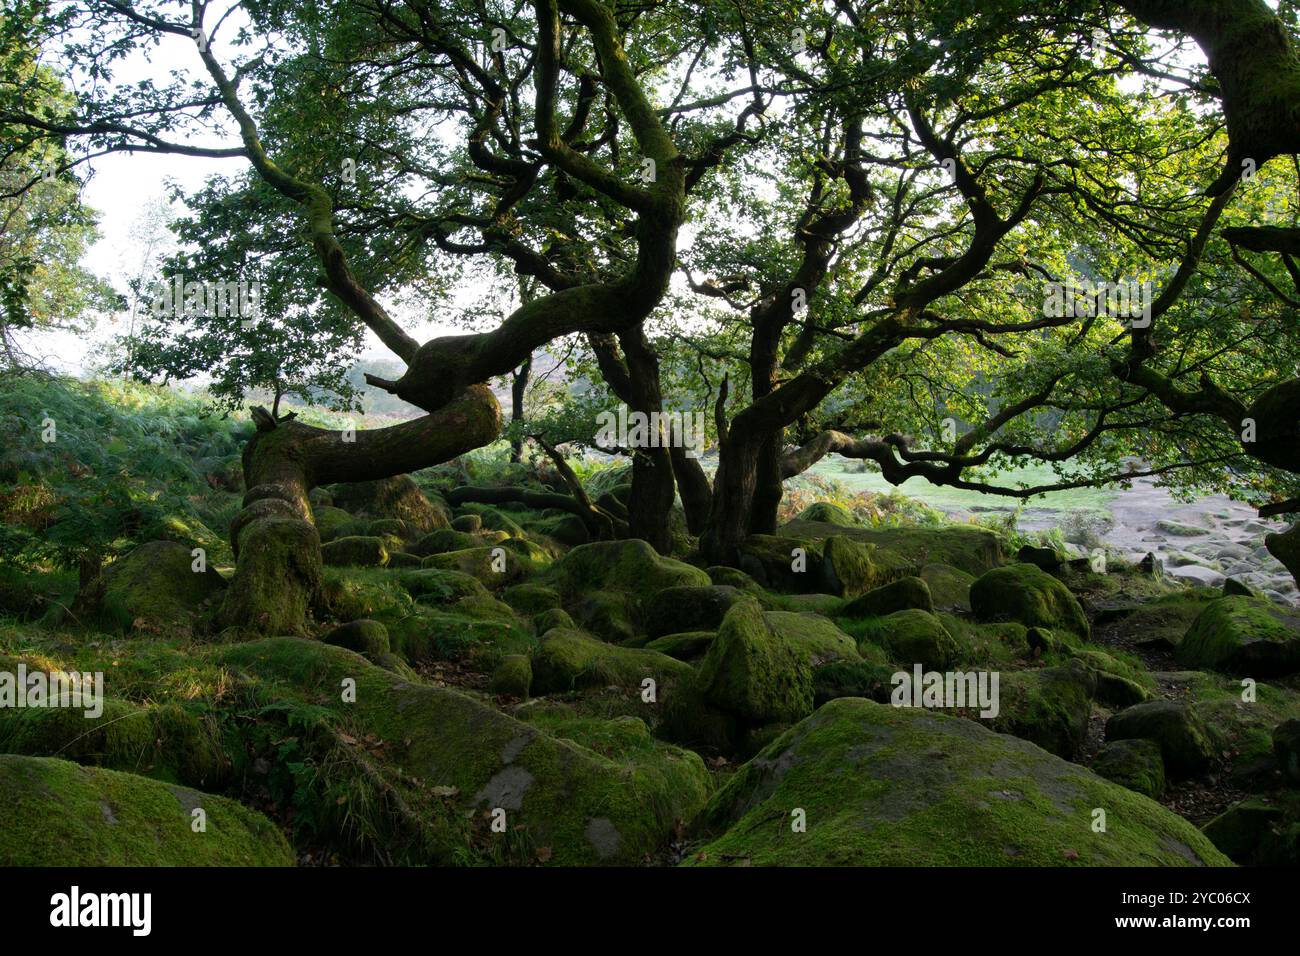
point(887, 786)
point(1243, 830)
point(355, 551)
point(493, 566)
point(630, 565)
point(493, 519)
point(1135, 764)
point(156, 586)
point(1029, 595)
point(690, 608)
point(443, 540)
point(363, 636)
point(837, 565)
point(351, 593)
point(904, 550)
point(608, 614)
point(901, 595)
point(469, 524)
point(1184, 741)
point(949, 586)
point(532, 599)
point(436, 586)
point(457, 634)
point(570, 660)
point(871, 678)
point(513, 676)
point(451, 760)
point(917, 637)
point(1049, 706)
point(555, 617)
point(58, 813)
point(396, 497)
point(829, 513)
point(732, 577)
point(759, 667)
point(1242, 635)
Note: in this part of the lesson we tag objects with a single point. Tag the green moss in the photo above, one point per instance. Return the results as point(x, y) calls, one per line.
point(513, 676)
point(1242, 635)
point(1184, 740)
point(1049, 706)
point(155, 587)
point(1030, 596)
point(1135, 764)
point(363, 636)
point(427, 634)
point(630, 565)
point(331, 521)
point(365, 551)
point(352, 593)
point(168, 742)
point(1163, 621)
point(901, 595)
point(970, 549)
point(444, 540)
point(949, 587)
point(58, 813)
point(450, 760)
point(532, 599)
point(569, 660)
point(829, 513)
point(759, 667)
point(917, 637)
point(886, 786)
point(434, 586)
point(277, 578)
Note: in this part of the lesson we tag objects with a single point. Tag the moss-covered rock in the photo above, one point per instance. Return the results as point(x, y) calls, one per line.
point(1241, 635)
point(58, 813)
point(1030, 596)
point(1135, 764)
point(396, 497)
point(838, 565)
point(469, 523)
point(904, 550)
point(356, 551)
point(886, 786)
point(674, 610)
point(949, 586)
point(1049, 707)
point(901, 595)
point(513, 676)
point(555, 617)
point(829, 513)
point(493, 566)
point(1244, 828)
point(759, 667)
point(917, 637)
point(443, 540)
point(493, 519)
point(435, 586)
point(363, 636)
point(725, 576)
point(156, 586)
point(404, 560)
point(630, 565)
point(532, 599)
point(608, 614)
point(452, 634)
point(569, 660)
point(1184, 741)
point(871, 678)
point(451, 760)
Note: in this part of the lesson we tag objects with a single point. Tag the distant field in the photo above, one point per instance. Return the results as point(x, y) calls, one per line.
point(951, 499)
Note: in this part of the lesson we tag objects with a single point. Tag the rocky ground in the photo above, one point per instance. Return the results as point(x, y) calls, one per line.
point(482, 685)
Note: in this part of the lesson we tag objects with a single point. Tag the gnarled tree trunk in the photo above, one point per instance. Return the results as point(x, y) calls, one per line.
point(277, 549)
